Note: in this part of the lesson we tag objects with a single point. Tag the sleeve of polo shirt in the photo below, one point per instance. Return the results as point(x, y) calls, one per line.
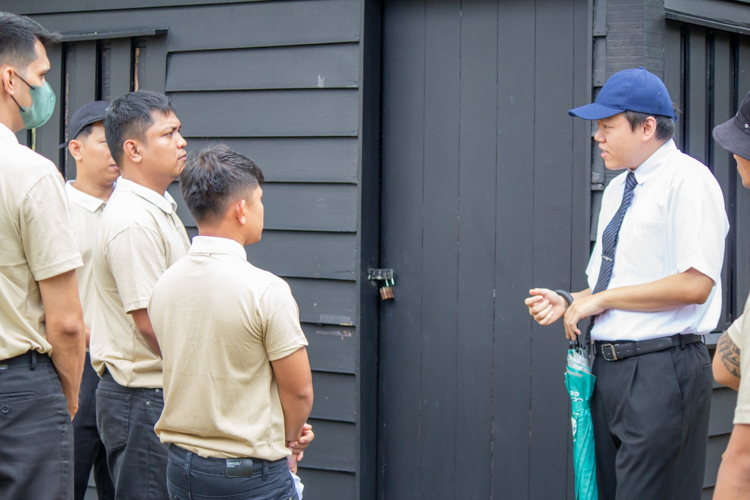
point(283, 333)
point(741, 337)
point(136, 257)
point(698, 226)
point(46, 230)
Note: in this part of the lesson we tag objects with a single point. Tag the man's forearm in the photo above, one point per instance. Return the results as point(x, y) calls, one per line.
point(144, 327)
point(733, 481)
point(296, 411)
point(678, 290)
point(68, 356)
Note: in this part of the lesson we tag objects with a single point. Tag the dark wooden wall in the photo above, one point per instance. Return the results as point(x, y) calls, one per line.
point(484, 179)
point(281, 82)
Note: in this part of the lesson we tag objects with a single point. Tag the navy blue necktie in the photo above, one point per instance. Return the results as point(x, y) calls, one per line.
point(611, 235)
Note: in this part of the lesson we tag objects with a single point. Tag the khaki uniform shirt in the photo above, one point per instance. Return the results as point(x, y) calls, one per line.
point(37, 243)
point(140, 236)
point(85, 211)
point(220, 321)
point(739, 332)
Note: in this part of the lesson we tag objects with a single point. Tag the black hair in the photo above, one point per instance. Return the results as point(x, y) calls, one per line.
point(129, 117)
point(664, 124)
point(18, 36)
point(215, 177)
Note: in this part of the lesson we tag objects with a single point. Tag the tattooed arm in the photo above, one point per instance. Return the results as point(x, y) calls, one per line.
point(726, 365)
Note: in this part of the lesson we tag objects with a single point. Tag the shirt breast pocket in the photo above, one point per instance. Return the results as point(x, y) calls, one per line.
point(644, 248)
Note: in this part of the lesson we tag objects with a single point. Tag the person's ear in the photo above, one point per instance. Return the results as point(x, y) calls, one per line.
point(75, 147)
point(132, 150)
point(6, 74)
point(649, 128)
point(239, 211)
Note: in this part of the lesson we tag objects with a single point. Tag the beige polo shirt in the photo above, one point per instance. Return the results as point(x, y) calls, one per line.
point(85, 212)
point(739, 332)
point(139, 237)
point(220, 321)
point(37, 243)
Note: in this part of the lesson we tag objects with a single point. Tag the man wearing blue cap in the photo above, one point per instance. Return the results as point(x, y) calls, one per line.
point(655, 288)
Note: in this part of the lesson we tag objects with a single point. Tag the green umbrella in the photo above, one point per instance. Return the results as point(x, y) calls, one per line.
point(580, 384)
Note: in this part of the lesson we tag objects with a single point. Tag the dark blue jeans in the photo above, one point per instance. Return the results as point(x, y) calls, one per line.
point(36, 435)
point(136, 458)
point(89, 449)
point(192, 477)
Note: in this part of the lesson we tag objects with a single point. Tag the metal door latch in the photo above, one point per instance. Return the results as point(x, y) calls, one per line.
point(386, 276)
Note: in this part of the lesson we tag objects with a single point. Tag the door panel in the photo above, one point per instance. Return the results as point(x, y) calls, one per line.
point(478, 159)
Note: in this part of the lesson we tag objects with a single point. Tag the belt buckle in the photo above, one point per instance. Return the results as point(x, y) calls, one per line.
point(611, 351)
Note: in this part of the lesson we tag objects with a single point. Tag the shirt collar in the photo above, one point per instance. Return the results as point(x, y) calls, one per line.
point(215, 244)
point(7, 135)
point(166, 203)
point(90, 203)
point(650, 167)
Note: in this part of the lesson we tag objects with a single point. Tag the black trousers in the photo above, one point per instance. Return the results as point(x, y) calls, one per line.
point(137, 460)
point(650, 417)
point(36, 435)
point(89, 449)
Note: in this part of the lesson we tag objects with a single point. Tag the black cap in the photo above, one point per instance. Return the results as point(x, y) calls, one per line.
point(734, 134)
point(91, 112)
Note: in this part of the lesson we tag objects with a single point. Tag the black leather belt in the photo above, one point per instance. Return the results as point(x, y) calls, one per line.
point(30, 358)
point(620, 349)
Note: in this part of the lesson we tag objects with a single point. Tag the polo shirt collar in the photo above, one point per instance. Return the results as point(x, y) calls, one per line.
point(166, 203)
point(216, 245)
point(7, 135)
point(90, 203)
point(650, 167)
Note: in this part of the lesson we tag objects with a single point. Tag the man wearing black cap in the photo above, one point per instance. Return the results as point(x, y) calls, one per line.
point(732, 356)
point(96, 173)
point(655, 281)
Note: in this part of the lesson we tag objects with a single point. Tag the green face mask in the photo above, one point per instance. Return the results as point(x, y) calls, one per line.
point(42, 106)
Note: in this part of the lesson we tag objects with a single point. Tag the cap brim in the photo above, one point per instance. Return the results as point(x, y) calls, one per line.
point(86, 124)
point(594, 111)
point(729, 137)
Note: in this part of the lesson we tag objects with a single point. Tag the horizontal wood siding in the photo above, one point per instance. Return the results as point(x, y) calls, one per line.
point(297, 67)
point(225, 26)
point(269, 113)
point(278, 81)
point(297, 159)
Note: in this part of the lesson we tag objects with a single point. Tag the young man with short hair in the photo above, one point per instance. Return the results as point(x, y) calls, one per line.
point(655, 288)
point(140, 236)
point(237, 380)
point(41, 324)
point(96, 173)
point(732, 357)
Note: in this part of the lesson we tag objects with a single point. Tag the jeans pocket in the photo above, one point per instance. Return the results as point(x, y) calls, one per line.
point(10, 401)
point(112, 415)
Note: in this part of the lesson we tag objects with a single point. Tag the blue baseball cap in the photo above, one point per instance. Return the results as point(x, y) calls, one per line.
point(629, 90)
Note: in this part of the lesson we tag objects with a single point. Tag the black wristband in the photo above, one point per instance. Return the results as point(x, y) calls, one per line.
point(566, 295)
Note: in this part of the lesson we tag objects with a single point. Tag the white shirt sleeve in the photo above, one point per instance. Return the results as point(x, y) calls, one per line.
point(698, 225)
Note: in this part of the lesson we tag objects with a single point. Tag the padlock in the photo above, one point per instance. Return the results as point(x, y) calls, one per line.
point(386, 292)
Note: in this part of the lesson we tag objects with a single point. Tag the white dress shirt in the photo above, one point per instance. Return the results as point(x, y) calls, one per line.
point(676, 221)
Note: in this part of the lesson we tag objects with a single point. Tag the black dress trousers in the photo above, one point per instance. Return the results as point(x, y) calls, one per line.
point(650, 417)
